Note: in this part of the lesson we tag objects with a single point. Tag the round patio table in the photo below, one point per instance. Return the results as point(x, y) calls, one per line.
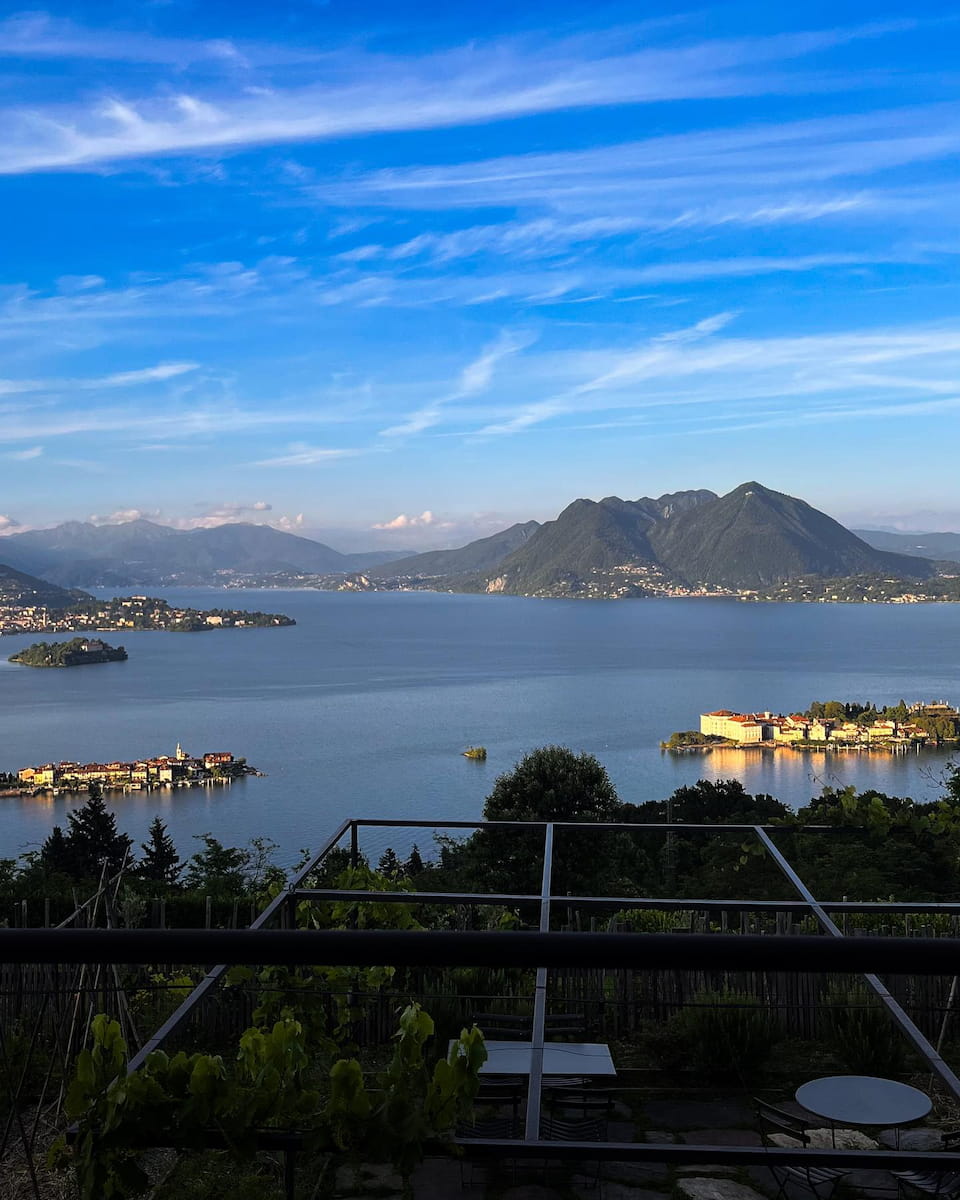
point(863, 1100)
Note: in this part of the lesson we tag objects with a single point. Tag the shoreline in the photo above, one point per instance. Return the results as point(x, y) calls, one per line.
point(819, 747)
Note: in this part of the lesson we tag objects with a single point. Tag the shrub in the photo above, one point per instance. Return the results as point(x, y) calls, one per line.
point(859, 1030)
point(725, 1035)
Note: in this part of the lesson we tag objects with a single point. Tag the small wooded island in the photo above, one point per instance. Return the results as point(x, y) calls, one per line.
point(78, 652)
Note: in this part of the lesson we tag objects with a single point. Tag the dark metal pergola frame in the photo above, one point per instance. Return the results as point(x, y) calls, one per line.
point(261, 944)
point(284, 906)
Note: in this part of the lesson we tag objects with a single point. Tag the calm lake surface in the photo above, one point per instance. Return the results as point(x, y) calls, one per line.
point(364, 708)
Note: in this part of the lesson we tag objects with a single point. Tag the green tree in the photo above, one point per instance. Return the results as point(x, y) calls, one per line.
point(551, 783)
point(217, 869)
point(160, 863)
point(696, 864)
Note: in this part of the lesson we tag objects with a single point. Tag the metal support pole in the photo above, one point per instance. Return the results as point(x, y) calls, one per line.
point(535, 1090)
point(289, 1174)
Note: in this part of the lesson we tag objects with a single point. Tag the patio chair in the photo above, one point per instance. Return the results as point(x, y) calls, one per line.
point(498, 1117)
point(564, 1099)
point(504, 1027)
point(935, 1183)
point(565, 1025)
point(592, 1111)
point(782, 1129)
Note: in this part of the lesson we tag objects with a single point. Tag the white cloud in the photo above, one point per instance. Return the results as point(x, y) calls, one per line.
point(369, 93)
point(293, 524)
point(25, 455)
point(122, 516)
point(210, 517)
point(9, 525)
point(424, 520)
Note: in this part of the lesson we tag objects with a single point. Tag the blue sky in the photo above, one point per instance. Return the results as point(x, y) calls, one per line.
point(400, 274)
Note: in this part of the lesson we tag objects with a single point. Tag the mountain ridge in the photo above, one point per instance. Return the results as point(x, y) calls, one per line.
point(747, 540)
point(944, 546)
point(142, 553)
point(20, 588)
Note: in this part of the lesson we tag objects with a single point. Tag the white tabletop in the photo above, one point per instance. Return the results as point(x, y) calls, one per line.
point(864, 1100)
point(559, 1058)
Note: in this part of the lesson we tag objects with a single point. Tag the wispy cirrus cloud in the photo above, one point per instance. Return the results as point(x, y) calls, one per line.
point(698, 376)
point(41, 35)
point(300, 454)
point(121, 379)
point(548, 236)
point(475, 378)
point(775, 161)
point(369, 93)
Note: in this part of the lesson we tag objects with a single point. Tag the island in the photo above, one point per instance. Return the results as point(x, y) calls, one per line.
point(78, 652)
point(131, 612)
point(161, 771)
point(833, 725)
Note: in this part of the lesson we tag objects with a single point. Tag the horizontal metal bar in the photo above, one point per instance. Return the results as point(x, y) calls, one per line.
point(636, 951)
point(672, 1152)
point(700, 904)
point(654, 903)
point(414, 897)
point(637, 826)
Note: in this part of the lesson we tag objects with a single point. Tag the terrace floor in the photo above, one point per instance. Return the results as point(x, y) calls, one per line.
point(715, 1120)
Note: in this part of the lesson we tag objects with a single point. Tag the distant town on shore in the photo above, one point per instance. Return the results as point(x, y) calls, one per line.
point(830, 725)
point(129, 613)
point(163, 771)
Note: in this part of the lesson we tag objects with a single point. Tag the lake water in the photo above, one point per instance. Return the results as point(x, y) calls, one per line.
point(364, 708)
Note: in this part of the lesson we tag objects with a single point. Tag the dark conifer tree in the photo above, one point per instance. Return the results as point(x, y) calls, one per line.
point(94, 841)
point(390, 865)
point(161, 862)
point(55, 856)
point(414, 865)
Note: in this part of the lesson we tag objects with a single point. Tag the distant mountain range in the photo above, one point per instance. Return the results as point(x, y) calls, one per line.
point(944, 546)
point(751, 538)
point(141, 554)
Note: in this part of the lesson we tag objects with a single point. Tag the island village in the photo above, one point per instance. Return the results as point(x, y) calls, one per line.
point(932, 722)
point(164, 771)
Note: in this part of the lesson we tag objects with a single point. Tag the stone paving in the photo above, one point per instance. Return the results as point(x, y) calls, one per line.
point(721, 1121)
